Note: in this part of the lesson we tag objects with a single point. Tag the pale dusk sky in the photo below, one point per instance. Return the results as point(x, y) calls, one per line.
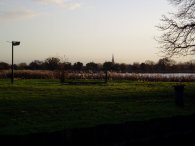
point(81, 30)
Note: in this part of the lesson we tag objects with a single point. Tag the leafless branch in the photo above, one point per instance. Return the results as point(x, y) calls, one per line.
point(178, 29)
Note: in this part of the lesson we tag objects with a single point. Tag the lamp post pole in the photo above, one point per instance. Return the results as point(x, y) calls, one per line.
point(14, 43)
point(12, 75)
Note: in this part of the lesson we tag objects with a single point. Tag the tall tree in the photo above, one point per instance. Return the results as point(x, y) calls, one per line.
point(52, 63)
point(92, 66)
point(78, 66)
point(178, 29)
point(107, 66)
point(22, 66)
point(165, 64)
point(36, 65)
point(4, 66)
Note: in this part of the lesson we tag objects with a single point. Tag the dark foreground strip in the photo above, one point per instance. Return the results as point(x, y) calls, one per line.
point(176, 130)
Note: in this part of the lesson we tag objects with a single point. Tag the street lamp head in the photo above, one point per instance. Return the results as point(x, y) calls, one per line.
point(15, 43)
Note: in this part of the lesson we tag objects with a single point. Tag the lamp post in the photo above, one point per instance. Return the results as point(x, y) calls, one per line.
point(14, 43)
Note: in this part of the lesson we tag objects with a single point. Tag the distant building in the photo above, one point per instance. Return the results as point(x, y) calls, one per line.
point(112, 59)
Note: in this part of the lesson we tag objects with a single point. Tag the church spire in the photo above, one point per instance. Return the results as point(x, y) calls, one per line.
point(112, 58)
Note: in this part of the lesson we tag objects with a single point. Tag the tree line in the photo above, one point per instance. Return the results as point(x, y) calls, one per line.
point(164, 65)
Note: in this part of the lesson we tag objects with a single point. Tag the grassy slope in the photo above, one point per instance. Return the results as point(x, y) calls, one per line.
point(31, 106)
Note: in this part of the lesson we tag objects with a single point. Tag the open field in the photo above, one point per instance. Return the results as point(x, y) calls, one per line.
point(33, 106)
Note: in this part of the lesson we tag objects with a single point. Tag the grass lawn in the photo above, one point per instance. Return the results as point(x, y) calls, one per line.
point(31, 106)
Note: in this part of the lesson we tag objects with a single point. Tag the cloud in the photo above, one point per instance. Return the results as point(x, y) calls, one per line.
point(15, 14)
point(10, 11)
point(60, 3)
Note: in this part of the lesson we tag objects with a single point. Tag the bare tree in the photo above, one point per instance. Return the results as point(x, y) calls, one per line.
point(178, 29)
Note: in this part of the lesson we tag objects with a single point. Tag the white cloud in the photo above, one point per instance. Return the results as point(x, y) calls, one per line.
point(60, 3)
point(22, 13)
point(71, 6)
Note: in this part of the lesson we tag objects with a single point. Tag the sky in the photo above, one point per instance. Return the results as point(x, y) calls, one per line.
point(82, 30)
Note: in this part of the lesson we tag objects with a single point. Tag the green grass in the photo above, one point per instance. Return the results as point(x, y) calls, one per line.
point(31, 106)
